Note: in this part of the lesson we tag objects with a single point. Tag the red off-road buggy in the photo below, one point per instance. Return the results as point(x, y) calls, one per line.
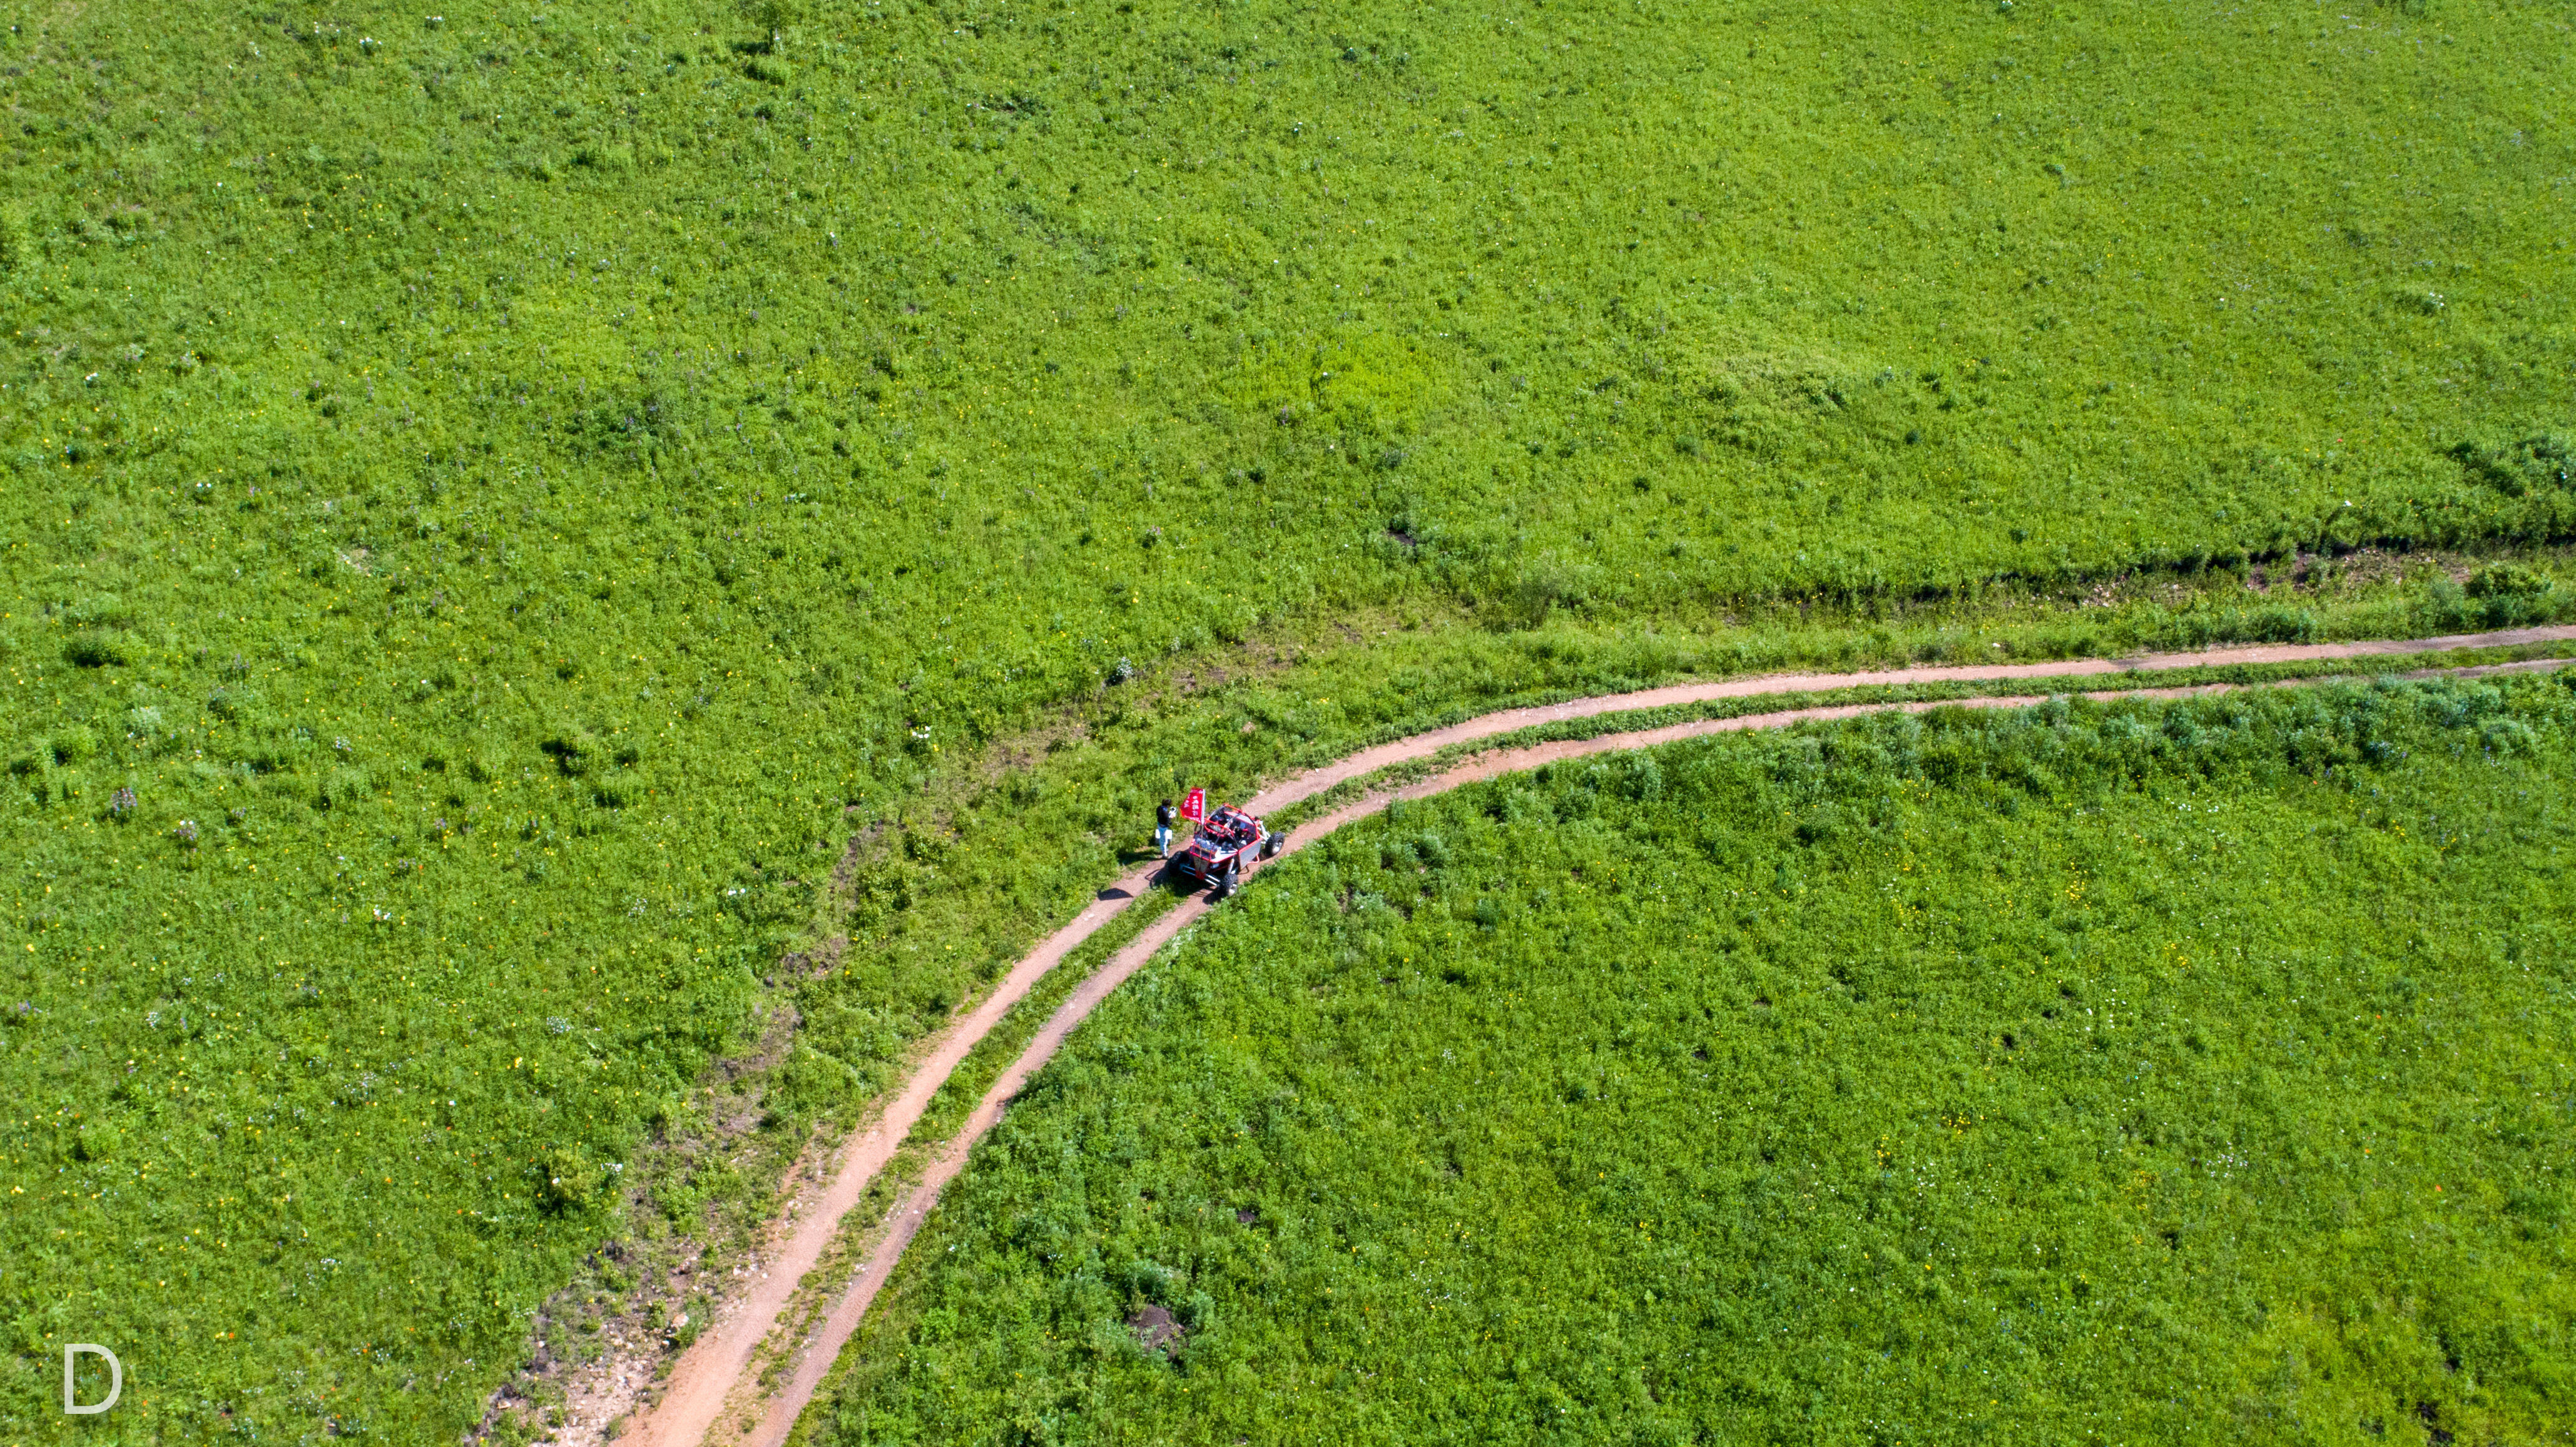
point(1225, 846)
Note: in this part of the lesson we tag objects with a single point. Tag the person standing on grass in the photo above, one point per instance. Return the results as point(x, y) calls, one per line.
point(1164, 814)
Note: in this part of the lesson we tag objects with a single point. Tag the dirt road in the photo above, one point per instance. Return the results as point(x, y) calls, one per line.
point(713, 1371)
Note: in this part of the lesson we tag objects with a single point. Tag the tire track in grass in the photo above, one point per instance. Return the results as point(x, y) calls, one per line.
point(709, 1373)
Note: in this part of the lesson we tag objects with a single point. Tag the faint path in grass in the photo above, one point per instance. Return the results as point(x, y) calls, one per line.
point(716, 1368)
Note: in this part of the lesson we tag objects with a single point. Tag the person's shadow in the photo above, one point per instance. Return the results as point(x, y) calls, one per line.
point(1163, 876)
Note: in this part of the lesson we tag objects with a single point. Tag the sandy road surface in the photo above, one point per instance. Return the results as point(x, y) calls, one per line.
point(714, 1368)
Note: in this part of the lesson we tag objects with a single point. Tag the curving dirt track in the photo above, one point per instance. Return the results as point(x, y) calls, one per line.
point(714, 1369)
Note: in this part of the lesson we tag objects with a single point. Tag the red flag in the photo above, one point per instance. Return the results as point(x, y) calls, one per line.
point(1194, 805)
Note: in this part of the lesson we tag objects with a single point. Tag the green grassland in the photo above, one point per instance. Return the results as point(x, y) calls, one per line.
point(495, 504)
point(2133, 1073)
